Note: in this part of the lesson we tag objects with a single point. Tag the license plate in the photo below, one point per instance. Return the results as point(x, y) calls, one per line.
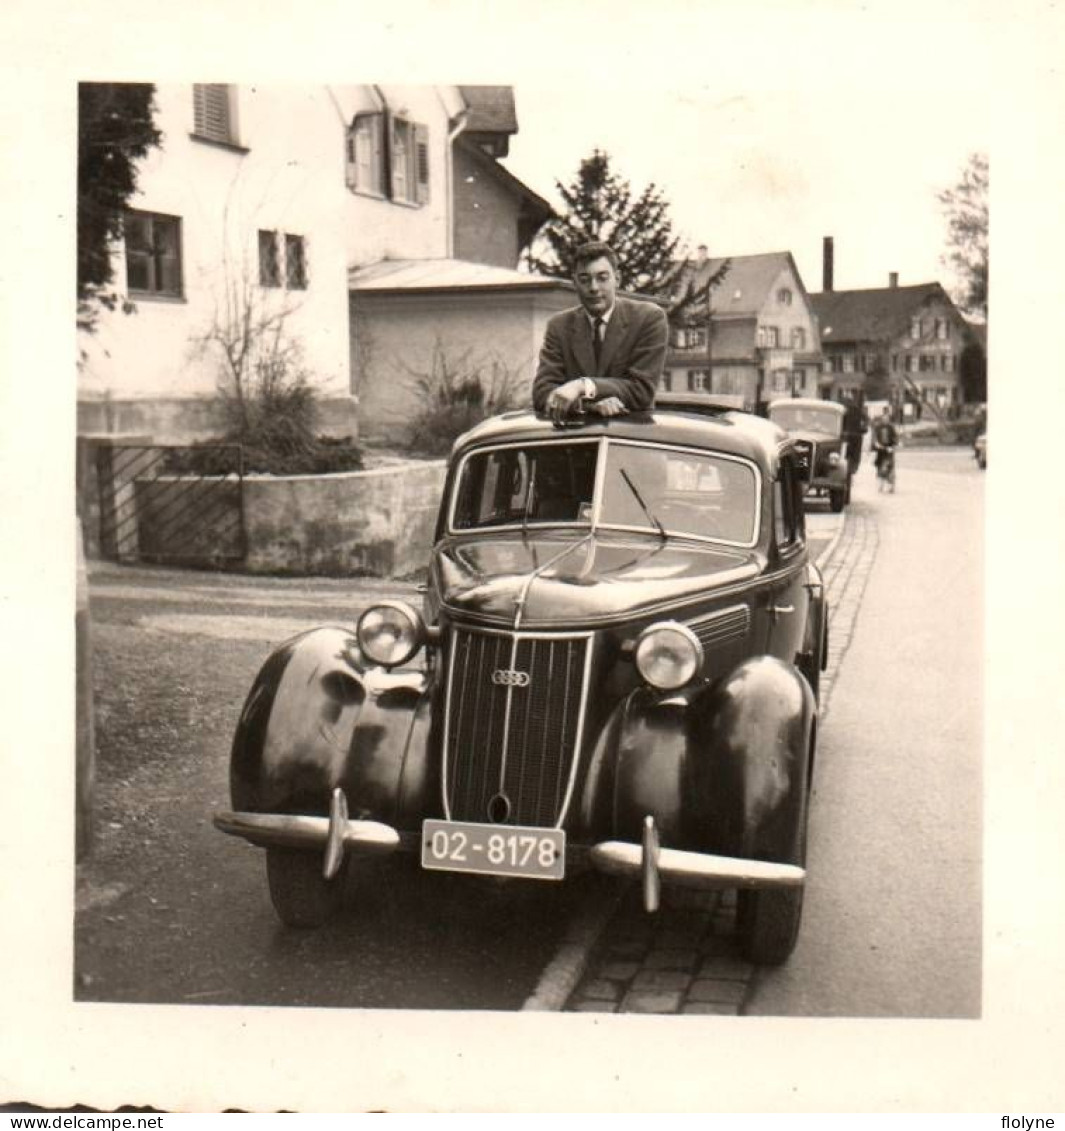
point(494, 850)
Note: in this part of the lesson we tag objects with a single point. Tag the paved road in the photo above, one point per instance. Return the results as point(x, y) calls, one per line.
point(892, 923)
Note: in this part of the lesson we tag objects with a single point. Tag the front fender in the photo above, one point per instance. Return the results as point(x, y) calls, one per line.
point(722, 768)
point(318, 717)
point(753, 732)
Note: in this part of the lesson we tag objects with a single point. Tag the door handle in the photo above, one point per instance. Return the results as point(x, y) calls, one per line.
point(778, 609)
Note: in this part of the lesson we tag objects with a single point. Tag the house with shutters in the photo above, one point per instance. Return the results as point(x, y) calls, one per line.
point(900, 343)
point(757, 338)
point(262, 206)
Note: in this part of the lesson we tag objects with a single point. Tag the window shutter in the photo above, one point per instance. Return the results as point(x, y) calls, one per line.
point(211, 117)
point(391, 179)
point(421, 151)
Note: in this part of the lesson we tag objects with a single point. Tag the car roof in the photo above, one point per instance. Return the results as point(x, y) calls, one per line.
point(808, 402)
point(733, 432)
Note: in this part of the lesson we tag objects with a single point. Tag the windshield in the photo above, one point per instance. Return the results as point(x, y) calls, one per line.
point(806, 418)
point(679, 491)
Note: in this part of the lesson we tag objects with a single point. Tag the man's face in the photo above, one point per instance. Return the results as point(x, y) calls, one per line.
point(596, 285)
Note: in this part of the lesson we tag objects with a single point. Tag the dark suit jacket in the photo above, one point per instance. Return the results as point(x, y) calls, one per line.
point(630, 363)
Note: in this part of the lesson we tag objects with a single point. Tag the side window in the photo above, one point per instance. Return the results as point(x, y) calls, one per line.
point(788, 525)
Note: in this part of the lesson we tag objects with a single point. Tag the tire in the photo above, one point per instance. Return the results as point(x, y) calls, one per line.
point(837, 499)
point(847, 492)
point(768, 920)
point(301, 895)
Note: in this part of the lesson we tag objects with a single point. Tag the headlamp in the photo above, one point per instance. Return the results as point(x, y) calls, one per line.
point(668, 655)
point(390, 633)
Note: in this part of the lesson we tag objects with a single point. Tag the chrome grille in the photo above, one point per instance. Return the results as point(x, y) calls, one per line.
point(510, 745)
point(806, 452)
point(721, 627)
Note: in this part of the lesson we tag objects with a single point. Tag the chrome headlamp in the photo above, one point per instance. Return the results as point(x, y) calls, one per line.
point(668, 655)
point(390, 633)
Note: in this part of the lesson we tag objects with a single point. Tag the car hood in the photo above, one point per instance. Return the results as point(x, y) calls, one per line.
point(572, 580)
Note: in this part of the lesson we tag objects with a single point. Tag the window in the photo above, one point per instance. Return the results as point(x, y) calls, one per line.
point(848, 363)
point(409, 162)
point(768, 337)
point(911, 362)
point(214, 112)
point(365, 160)
point(153, 254)
point(282, 261)
point(915, 328)
point(667, 380)
point(798, 338)
point(928, 362)
point(781, 380)
point(787, 506)
point(870, 363)
point(388, 156)
point(295, 263)
point(697, 380)
point(784, 296)
point(894, 363)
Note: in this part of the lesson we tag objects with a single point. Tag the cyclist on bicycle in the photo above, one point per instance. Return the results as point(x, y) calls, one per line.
point(885, 441)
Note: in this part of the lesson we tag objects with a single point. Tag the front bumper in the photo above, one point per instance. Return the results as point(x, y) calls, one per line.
point(646, 861)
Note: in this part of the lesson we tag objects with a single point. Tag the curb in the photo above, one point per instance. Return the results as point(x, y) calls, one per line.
point(565, 970)
point(826, 555)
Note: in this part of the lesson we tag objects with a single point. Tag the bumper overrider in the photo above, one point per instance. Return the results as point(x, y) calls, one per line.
point(654, 865)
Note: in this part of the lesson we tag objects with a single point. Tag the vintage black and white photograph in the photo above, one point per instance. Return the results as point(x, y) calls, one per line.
point(530, 549)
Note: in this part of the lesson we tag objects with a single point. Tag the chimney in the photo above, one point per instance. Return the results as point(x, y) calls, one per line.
point(827, 264)
point(893, 279)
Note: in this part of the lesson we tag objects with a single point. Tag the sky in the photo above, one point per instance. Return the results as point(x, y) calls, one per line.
point(748, 171)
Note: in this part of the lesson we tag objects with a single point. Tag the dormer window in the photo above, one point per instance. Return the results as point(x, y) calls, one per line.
point(784, 296)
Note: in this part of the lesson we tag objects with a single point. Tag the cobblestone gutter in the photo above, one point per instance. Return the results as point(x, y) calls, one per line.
point(685, 959)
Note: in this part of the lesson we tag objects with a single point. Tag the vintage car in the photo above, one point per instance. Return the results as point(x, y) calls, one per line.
point(817, 428)
point(616, 667)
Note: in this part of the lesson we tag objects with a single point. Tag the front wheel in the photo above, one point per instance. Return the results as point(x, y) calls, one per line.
point(768, 919)
point(301, 895)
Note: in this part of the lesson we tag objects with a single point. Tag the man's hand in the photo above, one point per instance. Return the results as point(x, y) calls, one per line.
point(608, 406)
point(562, 399)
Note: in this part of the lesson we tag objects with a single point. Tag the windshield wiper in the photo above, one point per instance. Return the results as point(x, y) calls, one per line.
point(528, 499)
point(639, 498)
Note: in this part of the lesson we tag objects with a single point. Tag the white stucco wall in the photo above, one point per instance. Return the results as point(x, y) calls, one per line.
point(394, 336)
point(291, 179)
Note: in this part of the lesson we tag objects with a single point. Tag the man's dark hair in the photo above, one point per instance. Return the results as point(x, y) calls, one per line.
point(596, 250)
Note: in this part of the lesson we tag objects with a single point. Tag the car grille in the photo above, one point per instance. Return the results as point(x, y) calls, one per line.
point(723, 626)
point(806, 451)
point(515, 710)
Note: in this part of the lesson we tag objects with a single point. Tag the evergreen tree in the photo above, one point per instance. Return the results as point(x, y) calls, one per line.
point(116, 129)
point(601, 205)
point(966, 209)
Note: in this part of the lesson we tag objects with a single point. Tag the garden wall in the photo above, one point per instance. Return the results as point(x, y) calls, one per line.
point(378, 522)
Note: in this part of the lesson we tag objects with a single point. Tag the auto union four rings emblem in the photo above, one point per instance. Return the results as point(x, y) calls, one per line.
point(508, 677)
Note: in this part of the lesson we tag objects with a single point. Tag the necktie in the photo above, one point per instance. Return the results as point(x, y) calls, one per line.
point(597, 339)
